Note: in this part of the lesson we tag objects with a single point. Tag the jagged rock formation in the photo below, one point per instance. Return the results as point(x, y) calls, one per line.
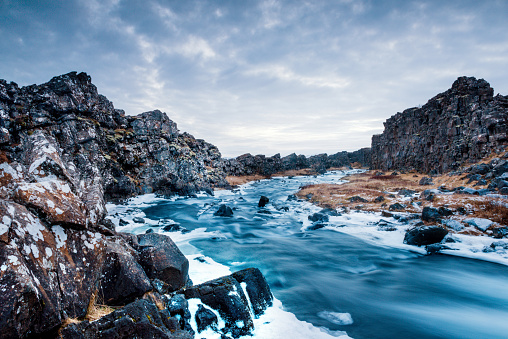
point(462, 125)
point(248, 164)
point(64, 151)
point(96, 146)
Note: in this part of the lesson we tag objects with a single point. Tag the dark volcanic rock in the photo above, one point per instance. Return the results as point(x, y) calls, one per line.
point(430, 214)
point(424, 235)
point(224, 211)
point(396, 207)
point(357, 198)
point(263, 201)
point(463, 124)
point(205, 318)
point(226, 295)
point(248, 164)
point(140, 319)
point(123, 279)
point(319, 217)
point(161, 259)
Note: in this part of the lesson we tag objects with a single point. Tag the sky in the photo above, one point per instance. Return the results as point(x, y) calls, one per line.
point(261, 77)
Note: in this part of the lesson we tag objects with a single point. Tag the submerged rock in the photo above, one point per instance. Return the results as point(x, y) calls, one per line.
point(224, 211)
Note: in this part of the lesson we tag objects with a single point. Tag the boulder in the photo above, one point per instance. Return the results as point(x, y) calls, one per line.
point(257, 289)
point(123, 279)
point(396, 207)
point(231, 296)
point(425, 181)
point(424, 235)
point(161, 259)
point(480, 223)
point(318, 217)
point(430, 214)
point(357, 198)
point(453, 224)
point(224, 211)
point(263, 201)
point(226, 296)
point(500, 232)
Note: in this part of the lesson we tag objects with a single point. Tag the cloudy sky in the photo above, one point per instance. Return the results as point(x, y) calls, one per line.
point(261, 76)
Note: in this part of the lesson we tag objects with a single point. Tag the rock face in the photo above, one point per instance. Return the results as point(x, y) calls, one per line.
point(248, 164)
point(65, 127)
point(64, 151)
point(461, 125)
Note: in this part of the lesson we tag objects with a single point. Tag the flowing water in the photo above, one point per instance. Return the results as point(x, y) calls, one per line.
point(335, 280)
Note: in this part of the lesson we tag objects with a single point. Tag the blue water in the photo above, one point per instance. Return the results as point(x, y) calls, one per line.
point(390, 293)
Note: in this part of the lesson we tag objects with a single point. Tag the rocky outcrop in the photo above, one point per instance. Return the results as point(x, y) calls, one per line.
point(248, 164)
point(67, 127)
point(64, 151)
point(462, 125)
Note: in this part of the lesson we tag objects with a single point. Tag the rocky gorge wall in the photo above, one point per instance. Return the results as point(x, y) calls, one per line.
point(64, 151)
point(248, 164)
point(459, 126)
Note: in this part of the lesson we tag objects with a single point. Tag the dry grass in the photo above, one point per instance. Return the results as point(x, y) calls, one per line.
point(240, 180)
point(369, 186)
point(96, 310)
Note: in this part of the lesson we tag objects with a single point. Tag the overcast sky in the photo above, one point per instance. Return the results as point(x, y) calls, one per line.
point(261, 76)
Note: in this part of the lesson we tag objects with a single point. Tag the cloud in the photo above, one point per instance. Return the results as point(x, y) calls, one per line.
point(197, 47)
point(283, 73)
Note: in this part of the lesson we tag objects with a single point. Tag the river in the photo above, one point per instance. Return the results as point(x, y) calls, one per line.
point(329, 278)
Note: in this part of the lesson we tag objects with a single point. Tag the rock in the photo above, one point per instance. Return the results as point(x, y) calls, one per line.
point(318, 217)
point(424, 235)
point(123, 279)
point(258, 291)
point(406, 193)
point(445, 212)
point(205, 318)
point(226, 296)
point(431, 214)
point(459, 126)
point(292, 197)
point(178, 308)
point(433, 248)
point(473, 177)
point(263, 201)
point(357, 199)
point(480, 169)
point(396, 207)
point(379, 199)
point(500, 232)
point(231, 296)
point(386, 214)
point(224, 211)
point(425, 181)
point(161, 259)
point(453, 224)
point(47, 272)
point(479, 223)
point(138, 220)
point(140, 319)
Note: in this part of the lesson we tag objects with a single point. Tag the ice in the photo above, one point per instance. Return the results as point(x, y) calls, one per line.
point(336, 318)
point(276, 323)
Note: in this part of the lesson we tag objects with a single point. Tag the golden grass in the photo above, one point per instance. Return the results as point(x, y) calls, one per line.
point(369, 186)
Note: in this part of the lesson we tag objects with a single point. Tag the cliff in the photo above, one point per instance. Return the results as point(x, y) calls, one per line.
point(64, 151)
point(248, 164)
point(460, 126)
